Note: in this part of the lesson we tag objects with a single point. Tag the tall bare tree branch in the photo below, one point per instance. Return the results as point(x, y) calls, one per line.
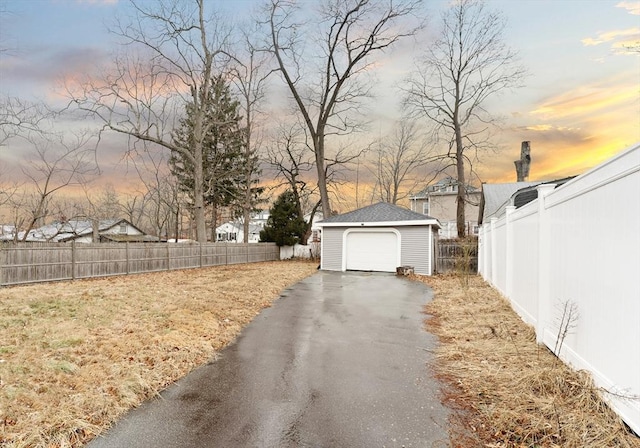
point(468, 64)
point(173, 53)
point(351, 33)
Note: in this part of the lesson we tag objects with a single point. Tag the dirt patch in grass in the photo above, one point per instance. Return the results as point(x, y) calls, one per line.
point(74, 356)
point(508, 390)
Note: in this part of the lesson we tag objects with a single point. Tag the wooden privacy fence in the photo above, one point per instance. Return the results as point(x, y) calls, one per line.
point(456, 255)
point(42, 262)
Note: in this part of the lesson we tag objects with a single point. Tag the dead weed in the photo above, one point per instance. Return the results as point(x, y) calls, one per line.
point(508, 390)
point(76, 355)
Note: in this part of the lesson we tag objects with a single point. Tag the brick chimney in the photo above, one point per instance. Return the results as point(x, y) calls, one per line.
point(522, 165)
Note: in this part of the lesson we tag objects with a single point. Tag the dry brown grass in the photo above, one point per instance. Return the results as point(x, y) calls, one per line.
point(76, 355)
point(509, 391)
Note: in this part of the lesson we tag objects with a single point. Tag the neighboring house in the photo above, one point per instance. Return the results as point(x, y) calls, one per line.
point(7, 232)
point(496, 197)
point(81, 231)
point(439, 201)
point(380, 237)
point(233, 231)
point(312, 247)
point(316, 231)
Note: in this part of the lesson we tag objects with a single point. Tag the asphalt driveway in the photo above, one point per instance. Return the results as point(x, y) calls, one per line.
point(340, 360)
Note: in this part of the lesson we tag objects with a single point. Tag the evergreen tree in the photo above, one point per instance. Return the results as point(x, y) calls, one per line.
point(285, 226)
point(223, 150)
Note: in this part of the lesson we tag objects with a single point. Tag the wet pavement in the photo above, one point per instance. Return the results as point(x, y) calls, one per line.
point(340, 360)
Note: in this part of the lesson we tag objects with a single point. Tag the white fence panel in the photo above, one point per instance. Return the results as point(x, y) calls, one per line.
point(499, 230)
point(523, 281)
point(578, 246)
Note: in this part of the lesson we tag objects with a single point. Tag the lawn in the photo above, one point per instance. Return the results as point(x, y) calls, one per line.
point(509, 391)
point(74, 356)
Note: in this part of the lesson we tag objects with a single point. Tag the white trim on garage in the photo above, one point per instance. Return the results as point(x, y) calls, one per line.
point(347, 232)
point(423, 222)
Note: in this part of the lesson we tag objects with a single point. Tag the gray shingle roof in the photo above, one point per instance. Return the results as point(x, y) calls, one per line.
point(496, 197)
point(380, 212)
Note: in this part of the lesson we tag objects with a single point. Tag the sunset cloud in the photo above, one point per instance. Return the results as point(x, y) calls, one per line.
point(585, 100)
point(609, 36)
point(633, 7)
point(622, 41)
point(547, 127)
point(572, 131)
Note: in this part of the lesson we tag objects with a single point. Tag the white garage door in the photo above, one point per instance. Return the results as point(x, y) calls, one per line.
point(372, 251)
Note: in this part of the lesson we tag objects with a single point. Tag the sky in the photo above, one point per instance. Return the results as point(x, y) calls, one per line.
point(580, 104)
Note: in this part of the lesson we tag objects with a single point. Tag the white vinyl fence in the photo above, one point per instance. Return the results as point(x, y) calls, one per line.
point(577, 248)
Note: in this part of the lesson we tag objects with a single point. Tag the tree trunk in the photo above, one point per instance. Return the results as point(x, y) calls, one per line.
point(296, 197)
point(322, 176)
point(246, 208)
point(198, 184)
point(460, 197)
point(95, 230)
point(246, 217)
point(177, 223)
point(214, 223)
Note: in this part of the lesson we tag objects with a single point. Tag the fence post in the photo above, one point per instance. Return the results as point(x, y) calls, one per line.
point(494, 260)
point(200, 254)
point(544, 257)
point(127, 269)
point(1, 264)
point(169, 257)
point(481, 251)
point(73, 260)
point(510, 252)
point(226, 253)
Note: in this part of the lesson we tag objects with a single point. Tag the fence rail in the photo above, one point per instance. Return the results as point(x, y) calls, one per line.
point(41, 262)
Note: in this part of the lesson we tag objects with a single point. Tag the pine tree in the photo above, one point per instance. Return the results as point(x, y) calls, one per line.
point(223, 150)
point(285, 226)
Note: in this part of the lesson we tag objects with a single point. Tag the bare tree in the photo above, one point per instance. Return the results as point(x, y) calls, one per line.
point(133, 207)
point(468, 64)
point(179, 51)
point(398, 157)
point(251, 72)
point(19, 117)
point(103, 205)
point(327, 94)
point(60, 162)
point(292, 160)
point(159, 204)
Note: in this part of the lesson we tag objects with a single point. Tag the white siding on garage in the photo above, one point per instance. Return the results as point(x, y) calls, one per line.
point(332, 248)
point(416, 248)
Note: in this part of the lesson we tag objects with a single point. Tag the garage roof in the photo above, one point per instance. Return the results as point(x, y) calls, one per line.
point(380, 214)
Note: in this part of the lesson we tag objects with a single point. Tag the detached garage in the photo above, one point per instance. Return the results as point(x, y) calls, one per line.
point(379, 238)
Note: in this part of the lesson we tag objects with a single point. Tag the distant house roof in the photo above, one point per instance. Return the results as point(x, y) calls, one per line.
point(129, 238)
point(380, 213)
point(496, 197)
point(255, 228)
point(72, 229)
point(442, 187)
